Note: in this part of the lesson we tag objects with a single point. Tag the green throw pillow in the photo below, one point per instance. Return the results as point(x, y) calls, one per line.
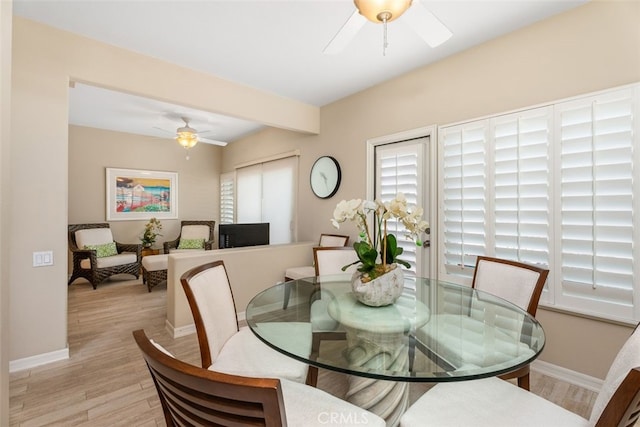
point(108, 249)
point(191, 244)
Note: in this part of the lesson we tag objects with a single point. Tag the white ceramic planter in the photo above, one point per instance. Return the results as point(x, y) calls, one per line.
point(383, 290)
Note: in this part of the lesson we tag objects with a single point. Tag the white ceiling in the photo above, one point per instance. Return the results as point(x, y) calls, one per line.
point(274, 46)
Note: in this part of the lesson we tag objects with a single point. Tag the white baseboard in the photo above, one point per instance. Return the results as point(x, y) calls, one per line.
point(181, 331)
point(567, 375)
point(38, 360)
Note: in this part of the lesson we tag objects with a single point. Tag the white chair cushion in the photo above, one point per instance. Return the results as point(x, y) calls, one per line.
point(161, 348)
point(244, 354)
point(320, 319)
point(296, 273)
point(628, 358)
point(330, 262)
point(93, 236)
point(111, 261)
point(319, 316)
point(215, 302)
point(155, 262)
point(507, 281)
point(481, 345)
point(195, 232)
point(328, 240)
point(308, 406)
point(489, 402)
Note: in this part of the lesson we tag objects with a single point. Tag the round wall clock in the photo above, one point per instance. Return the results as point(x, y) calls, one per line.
point(325, 177)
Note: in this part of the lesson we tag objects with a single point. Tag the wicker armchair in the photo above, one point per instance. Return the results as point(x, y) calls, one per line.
point(88, 265)
point(190, 229)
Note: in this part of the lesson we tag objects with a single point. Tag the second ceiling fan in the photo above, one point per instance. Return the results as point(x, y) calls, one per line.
point(419, 18)
point(188, 137)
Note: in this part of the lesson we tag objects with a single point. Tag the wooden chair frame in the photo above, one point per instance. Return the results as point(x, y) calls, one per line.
point(319, 336)
point(623, 409)
point(522, 374)
point(191, 395)
point(287, 289)
point(94, 274)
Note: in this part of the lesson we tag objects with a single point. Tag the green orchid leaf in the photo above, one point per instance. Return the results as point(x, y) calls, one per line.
point(403, 262)
point(392, 249)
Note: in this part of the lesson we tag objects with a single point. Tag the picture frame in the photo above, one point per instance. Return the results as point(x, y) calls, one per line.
point(134, 194)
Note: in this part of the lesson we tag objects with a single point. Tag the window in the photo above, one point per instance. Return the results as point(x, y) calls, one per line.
point(265, 192)
point(557, 186)
point(398, 170)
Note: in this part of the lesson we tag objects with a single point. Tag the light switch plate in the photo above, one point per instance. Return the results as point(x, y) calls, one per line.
point(42, 259)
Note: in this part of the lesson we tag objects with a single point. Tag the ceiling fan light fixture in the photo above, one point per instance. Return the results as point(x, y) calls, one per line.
point(382, 11)
point(188, 139)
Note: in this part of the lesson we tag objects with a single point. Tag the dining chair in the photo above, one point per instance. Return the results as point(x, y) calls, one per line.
point(227, 347)
point(516, 282)
point(295, 273)
point(328, 263)
point(494, 402)
point(191, 395)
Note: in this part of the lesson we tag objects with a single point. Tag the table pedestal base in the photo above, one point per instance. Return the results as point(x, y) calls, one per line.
point(388, 399)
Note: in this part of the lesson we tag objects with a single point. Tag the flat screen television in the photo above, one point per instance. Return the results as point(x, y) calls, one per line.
point(238, 235)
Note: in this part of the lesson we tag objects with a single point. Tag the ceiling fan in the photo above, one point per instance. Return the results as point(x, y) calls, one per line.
point(188, 137)
point(419, 18)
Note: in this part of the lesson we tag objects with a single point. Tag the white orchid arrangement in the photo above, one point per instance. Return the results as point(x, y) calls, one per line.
point(385, 244)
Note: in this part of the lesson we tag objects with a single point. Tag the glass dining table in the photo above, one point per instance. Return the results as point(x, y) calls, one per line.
point(436, 331)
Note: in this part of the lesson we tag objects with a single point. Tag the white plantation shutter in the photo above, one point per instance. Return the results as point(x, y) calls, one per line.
point(598, 181)
point(463, 197)
point(397, 171)
point(226, 198)
point(522, 187)
point(557, 186)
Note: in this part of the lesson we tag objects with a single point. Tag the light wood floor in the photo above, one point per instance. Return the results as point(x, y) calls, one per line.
point(106, 383)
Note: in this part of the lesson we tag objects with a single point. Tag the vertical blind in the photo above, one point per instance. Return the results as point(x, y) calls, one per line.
point(556, 186)
point(265, 192)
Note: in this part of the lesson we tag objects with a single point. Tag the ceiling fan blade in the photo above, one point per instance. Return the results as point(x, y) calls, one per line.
point(427, 25)
point(346, 34)
point(164, 130)
point(212, 141)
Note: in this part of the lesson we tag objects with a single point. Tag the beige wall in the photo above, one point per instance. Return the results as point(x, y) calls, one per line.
point(594, 47)
point(270, 261)
point(93, 150)
point(5, 123)
point(44, 60)
point(590, 48)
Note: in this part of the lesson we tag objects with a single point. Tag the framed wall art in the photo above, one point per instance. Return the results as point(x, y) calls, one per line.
point(139, 195)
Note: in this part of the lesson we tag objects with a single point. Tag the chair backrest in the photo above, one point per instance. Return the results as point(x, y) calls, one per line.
point(196, 396)
point(333, 240)
point(195, 232)
point(89, 234)
point(329, 260)
point(214, 312)
point(514, 281)
point(618, 403)
point(195, 229)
